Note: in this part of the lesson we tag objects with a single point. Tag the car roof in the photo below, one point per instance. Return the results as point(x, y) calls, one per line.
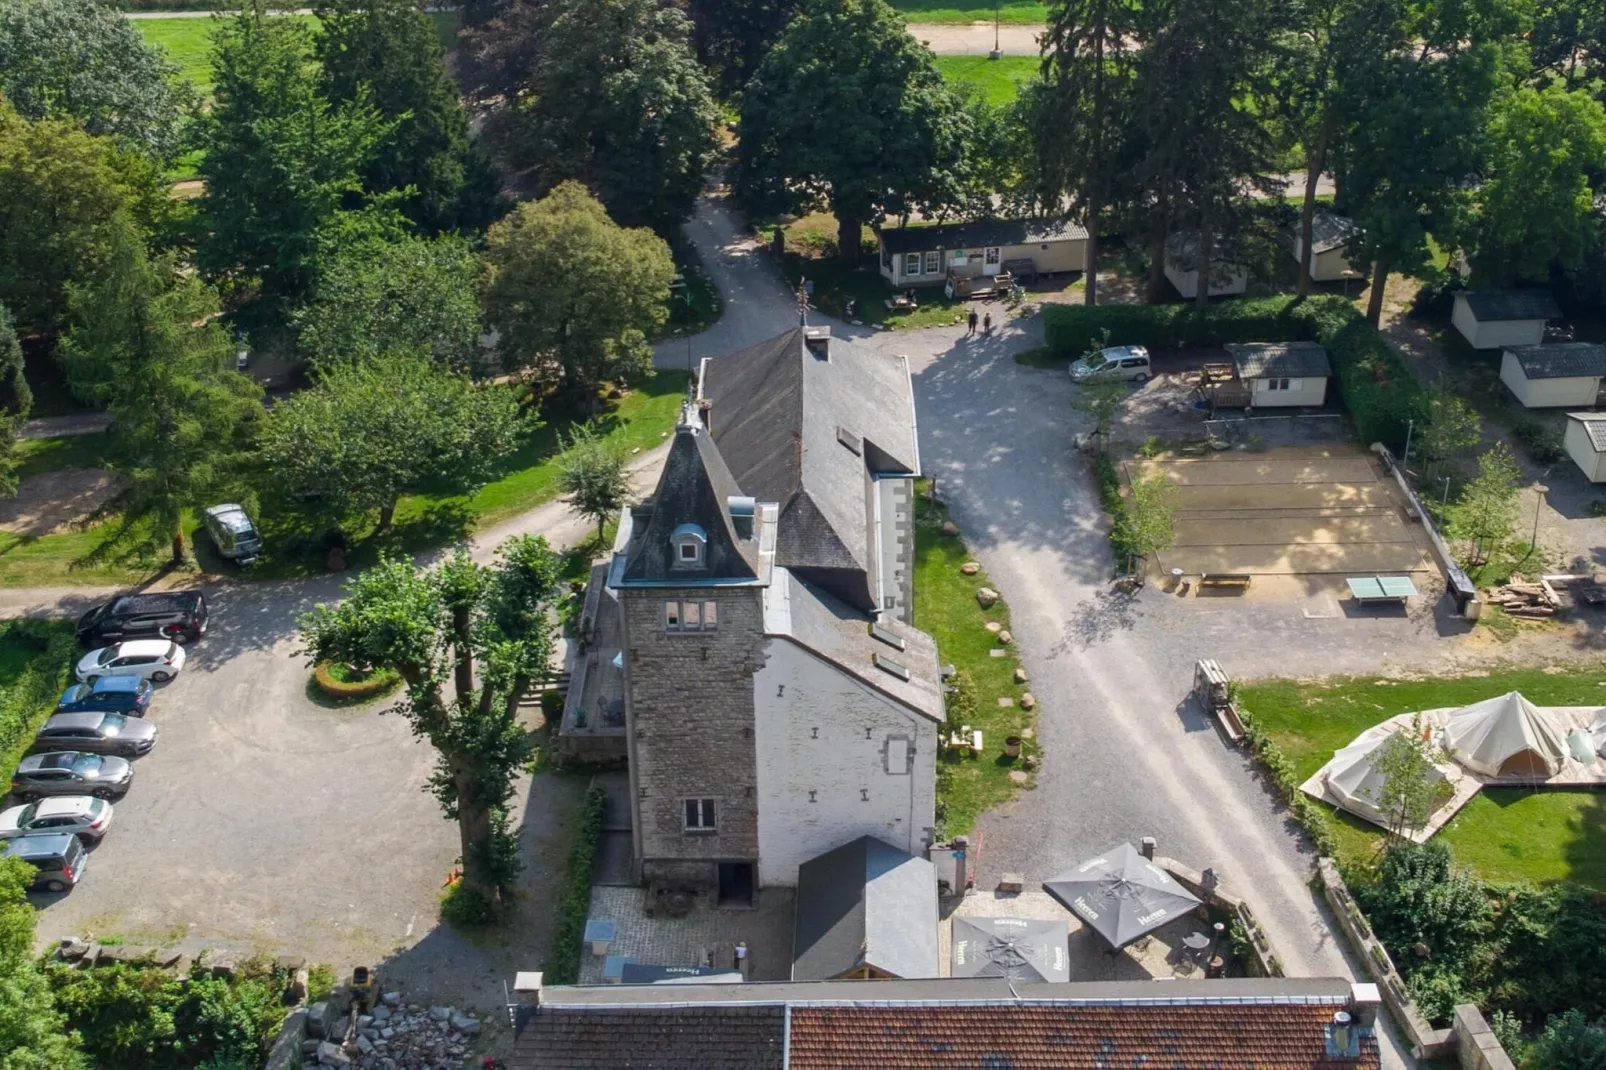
point(233, 518)
point(59, 759)
point(39, 846)
point(118, 683)
point(154, 601)
point(63, 806)
point(144, 646)
point(1122, 352)
point(75, 720)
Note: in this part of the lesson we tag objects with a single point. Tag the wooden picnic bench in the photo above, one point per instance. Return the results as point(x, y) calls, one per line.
point(1225, 579)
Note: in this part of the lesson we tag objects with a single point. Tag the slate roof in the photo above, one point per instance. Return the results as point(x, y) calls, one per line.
point(1560, 360)
point(694, 488)
point(827, 626)
point(776, 412)
point(668, 1038)
point(979, 234)
point(1594, 426)
point(1487, 305)
point(1292, 360)
point(1182, 248)
point(1238, 1024)
point(865, 903)
point(1330, 231)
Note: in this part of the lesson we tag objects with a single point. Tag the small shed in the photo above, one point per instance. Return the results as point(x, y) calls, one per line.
point(1585, 442)
point(924, 255)
point(1226, 276)
point(865, 910)
point(1554, 376)
point(1495, 319)
point(1282, 374)
point(1330, 235)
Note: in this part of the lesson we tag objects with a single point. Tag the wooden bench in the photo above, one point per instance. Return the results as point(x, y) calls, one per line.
point(1225, 579)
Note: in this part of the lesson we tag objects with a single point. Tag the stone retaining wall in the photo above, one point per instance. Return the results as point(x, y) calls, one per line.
point(1262, 960)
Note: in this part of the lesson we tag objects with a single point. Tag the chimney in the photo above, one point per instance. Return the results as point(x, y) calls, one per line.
point(742, 510)
point(527, 988)
point(817, 340)
point(1146, 847)
point(1364, 1000)
point(1340, 1041)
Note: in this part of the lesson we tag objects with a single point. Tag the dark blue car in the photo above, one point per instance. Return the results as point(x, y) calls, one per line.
point(109, 694)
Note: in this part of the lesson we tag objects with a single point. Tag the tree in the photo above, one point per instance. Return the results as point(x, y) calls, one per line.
point(574, 296)
point(382, 291)
point(603, 92)
point(849, 111)
point(386, 53)
point(1451, 427)
point(1570, 1041)
point(85, 61)
point(1536, 207)
point(60, 190)
point(468, 641)
point(145, 343)
point(1099, 399)
point(732, 36)
point(279, 160)
point(1089, 68)
point(1568, 40)
point(1146, 523)
point(1420, 897)
point(595, 474)
point(33, 1032)
point(16, 397)
point(1485, 513)
point(1411, 788)
point(365, 433)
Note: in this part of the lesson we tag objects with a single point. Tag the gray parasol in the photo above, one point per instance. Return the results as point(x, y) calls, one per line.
point(1020, 949)
point(1121, 895)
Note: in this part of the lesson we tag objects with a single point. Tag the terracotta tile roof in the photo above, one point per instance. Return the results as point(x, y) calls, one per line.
point(653, 1038)
point(1069, 1037)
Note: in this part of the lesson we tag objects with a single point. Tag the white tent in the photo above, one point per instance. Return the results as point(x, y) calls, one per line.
point(1505, 736)
point(1354, 782)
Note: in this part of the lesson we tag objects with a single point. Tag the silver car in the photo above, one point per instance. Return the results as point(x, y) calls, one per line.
point(83, 816)
point(1123, 363)
point(99, 733)
point(71, 773)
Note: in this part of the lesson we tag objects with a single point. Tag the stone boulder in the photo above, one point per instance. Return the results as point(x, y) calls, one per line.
point(321, 1018)
point(970, 568)
point(949, 528)
point(986, 597)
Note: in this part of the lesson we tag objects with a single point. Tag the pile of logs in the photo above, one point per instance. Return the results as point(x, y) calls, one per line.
point(1522, 599)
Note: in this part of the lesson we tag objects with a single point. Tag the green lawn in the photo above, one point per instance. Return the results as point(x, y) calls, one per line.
point(946, 609)
point(639, 421)
point(998, 79)
point(1505, 834)
point(1013, 12)
point(40, 455)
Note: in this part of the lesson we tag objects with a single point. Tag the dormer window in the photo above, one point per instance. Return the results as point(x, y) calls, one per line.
point(690, 543)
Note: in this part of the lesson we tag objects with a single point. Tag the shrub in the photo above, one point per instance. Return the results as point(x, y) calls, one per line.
point(1310, 815)
point(466, 907)
point(574, 903)
point(1542, 443)
point(350, 685)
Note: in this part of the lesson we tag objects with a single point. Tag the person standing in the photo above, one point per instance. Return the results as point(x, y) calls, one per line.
point(972, 329)
point(987, 325)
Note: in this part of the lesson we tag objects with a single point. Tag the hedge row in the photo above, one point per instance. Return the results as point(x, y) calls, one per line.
point(1309, 813)
point(50, 651)
point(376, 683)
point(1373, 383)
point(563, 968)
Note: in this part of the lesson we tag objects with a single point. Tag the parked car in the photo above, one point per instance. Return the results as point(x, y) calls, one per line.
point(83, 816)
point(71, 773)
point(1129, 363)
point(177, 615)
point(97, 733)
point(109, 694)
point(158, 660)
point(232, 531)
point(59, 859)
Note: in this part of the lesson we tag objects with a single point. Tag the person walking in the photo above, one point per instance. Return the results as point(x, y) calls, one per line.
point(987, 325)
point(972, 329)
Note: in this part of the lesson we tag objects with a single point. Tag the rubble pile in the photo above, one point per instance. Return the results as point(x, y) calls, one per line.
point(392, 1037)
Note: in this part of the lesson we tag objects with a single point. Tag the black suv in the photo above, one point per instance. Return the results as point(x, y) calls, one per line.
point(176, 615)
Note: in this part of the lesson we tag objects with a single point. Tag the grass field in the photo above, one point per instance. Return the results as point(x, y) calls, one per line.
point(1506, 834)
point(946, 609)
point(998, 79)
point(1013, 12)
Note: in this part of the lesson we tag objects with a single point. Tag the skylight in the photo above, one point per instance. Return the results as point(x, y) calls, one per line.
point(887, 665)
point(894, 641)
point(850, 440)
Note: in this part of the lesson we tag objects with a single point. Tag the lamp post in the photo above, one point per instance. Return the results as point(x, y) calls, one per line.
point(996, 53)
point(1539, 501)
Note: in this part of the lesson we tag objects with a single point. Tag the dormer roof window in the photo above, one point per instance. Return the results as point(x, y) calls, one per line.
point(690, 544)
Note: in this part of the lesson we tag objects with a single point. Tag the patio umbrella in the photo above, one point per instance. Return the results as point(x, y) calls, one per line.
point(1121, 895)
point(1020, 949)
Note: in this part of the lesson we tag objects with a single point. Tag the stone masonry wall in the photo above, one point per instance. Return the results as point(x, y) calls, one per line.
point(689, 719)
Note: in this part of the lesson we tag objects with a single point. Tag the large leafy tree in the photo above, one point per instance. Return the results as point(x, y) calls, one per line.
point(33, 1031)
point(382, 290)
point(1568, 40)
point(386, 52)
point(1536, 207)
point(468, 640)
point(81, 59)
point(279, 161)
point(605, 92)
point(849, 112)
point(146, 344)
point(732, 36)
point(60, 190)
point(1485, 513)
point(16, 397)
point(1414, 85)
point(574, 296)
point(1570, 1041)
point(365, 433)
point(1084, 125)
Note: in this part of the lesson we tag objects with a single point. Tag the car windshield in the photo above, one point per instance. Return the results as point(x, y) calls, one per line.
point(97, 807)
point(106, 655)
point(87, 765)
point(1095, 361)
point(25, 818)
point(112, 724)
point(73, 693)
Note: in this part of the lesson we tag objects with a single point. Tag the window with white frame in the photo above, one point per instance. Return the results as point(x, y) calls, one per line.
point(689, 616)
point(992, 254)
point(933, 262)
point(911, 263)
point(699, 815)
point(1276, 384)
point(688, 542)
